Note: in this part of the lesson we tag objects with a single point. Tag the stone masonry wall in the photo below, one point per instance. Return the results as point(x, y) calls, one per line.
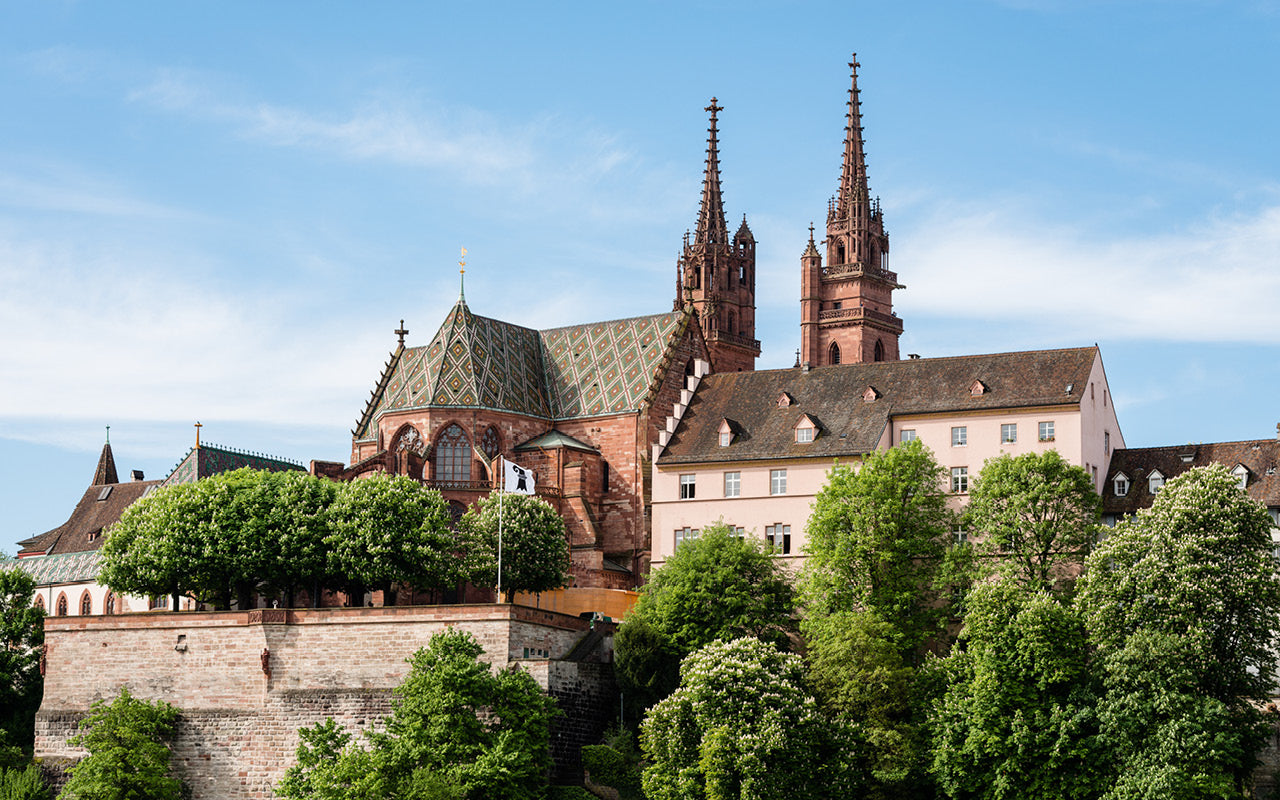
point(241, 710)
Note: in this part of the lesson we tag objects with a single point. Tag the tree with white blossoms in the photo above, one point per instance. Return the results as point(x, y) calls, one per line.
point(1182, 604)
point(740, 727)
point(535, 544)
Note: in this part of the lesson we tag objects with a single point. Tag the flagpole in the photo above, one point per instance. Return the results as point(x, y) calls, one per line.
point(501, 491)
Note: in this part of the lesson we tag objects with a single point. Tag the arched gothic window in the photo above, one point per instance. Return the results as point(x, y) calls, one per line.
point(86, 604)
point(453, 455)
point(62, 605)
point(40, 602)
point(733, 328)
point(879, 350)
point(109, 603)
point(491, 443)
point(834, 353)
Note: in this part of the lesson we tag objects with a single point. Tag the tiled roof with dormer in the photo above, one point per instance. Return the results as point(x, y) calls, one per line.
point(850, 419)
point(1261, 457)
point(97, 510)
point(562, 373)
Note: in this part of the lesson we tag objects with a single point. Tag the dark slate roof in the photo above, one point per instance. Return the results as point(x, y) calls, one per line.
point(106, 471)
point(65, 568)
point(90, 517)
point(561, 373)
point(1260, 456)
point(209, 459)
point(847, 425)
point(553, 439)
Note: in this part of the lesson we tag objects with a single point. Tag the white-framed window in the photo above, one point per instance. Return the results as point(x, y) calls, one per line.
point(960, 436)
point(688, 487)
point(804, 435)
point(738, 531)
point(1274, 511)
point(1121, 484)
point(732, 484)
point(1241, 474)
point(777, 481)
point(1046, 431)
point(1154, 481)
point(779, 537)
point(1008, 432)
point(959, 480)
point(959, 535)
point(726, 438)
point(907, 435)
point(686, 534)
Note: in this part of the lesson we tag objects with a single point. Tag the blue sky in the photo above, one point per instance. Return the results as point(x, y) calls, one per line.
point(220, 212)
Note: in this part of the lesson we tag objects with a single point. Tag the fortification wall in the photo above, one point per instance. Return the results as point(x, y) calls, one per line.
point(246, 681)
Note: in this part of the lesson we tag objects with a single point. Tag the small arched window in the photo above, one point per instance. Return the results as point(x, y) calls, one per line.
point(879, 350)
point(86, 604)
point(491, 443)
point(62, 605)
point(40, 602)
point(109, 603)
point(731, 322)
point(833, 354)
point(453, 455)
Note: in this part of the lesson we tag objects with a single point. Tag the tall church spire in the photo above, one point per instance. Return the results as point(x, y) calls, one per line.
point(712, 228)
point(716, 276)
point(846, 306)
point(106, 471)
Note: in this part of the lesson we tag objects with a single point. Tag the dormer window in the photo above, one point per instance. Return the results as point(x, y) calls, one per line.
point(977, 389)
point(784, 400)
point(1154, 481)
point(1121, 484)
point(870, 395)
point(1241, 474)
point(726, 433)
point(806, 430)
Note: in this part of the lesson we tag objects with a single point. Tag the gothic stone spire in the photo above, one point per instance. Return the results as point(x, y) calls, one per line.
point(853, 196)
point(712, 228)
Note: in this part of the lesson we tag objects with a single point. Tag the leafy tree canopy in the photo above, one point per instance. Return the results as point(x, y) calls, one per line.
point(740, 726)
point(128, 758)
point(1038, 512)
point(878, 542)
point(458, 730)
point(535, 544)
point(21, 687)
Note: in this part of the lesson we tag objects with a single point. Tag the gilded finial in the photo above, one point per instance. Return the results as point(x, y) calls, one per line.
point(462, 272)
point(198, 427)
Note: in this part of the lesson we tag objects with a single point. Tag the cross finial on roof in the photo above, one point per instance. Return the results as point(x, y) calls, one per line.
point(462, 272)
point(198, 427)
point(402, 332)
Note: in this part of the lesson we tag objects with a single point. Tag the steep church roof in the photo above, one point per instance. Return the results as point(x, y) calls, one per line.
point(560, 373)
point(106, 471)
point(204, 460)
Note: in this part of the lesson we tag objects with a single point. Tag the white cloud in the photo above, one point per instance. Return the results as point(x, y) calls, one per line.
point(1215, 281)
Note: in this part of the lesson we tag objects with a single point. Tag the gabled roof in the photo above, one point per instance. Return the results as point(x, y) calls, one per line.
point(91, 516)
point(562, 373)
point(851, 427)
point(1260, 456)
point(553, 439)
point(209, 459)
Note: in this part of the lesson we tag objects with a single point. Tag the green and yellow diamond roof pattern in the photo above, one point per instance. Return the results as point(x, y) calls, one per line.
point(562, 373)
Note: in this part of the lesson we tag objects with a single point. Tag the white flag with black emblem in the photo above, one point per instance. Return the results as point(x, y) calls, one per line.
point(516, 478)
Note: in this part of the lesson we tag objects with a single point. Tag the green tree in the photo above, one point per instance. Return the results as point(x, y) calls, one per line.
point(153, 549)
point(25, 783)
point(297, 533)
point(740, 727)
point(390, 529)
point(878, 542)
point(21, 687)
point(457, 730)
point(1182, 603)
point(128, 757)
point(1037, 513)
point(1017, 718)
point(535, 544)
point(719, 586)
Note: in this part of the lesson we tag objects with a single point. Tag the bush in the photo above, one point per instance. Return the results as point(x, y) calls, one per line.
point(569, 793)
point(23, 784)
point(611, 767)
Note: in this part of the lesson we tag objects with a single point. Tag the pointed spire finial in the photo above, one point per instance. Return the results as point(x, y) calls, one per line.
point(108, 434)
point(462, 276)
point(853, 173)
point(198, 427)
point(712, 228)
point(402, 332)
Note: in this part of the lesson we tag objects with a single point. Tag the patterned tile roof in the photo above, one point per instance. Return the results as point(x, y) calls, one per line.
point(65, 568)
point(561, 373)
point(553, 439)
point(835, 398)
point(208, 459)
point(1261, 457)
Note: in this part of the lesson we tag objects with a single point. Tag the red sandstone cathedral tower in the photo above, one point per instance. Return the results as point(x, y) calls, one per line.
point(846, 307)
point(718, 276)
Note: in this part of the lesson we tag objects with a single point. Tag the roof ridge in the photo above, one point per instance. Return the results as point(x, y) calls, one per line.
point(611, 321)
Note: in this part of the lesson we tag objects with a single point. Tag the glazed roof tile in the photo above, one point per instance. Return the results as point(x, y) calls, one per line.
point(65, 568)
point(848, 425)
point(209, 459)
point(561, 373)
point(1260, 456)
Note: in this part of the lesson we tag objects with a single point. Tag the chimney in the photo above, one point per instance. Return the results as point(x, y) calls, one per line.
point(137, 475)
point(805, 368)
